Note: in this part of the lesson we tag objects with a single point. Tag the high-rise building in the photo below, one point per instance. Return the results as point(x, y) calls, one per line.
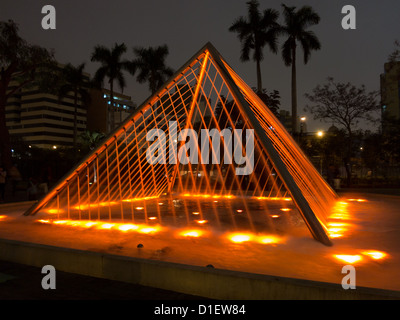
point(45, 120)
point(390, 91)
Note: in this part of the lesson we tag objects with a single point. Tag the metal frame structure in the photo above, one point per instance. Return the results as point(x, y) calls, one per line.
point(310, 193)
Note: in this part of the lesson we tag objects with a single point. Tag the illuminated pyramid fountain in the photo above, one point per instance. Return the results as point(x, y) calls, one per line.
point(204, 138)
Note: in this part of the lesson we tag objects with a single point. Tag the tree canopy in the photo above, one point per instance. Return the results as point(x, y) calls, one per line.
point(21, 64)
point(256, 31)
point(112, 67)
point(151, 67)
point(342, 103)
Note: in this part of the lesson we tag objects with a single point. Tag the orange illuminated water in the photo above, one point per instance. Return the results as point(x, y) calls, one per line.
point(283, 248)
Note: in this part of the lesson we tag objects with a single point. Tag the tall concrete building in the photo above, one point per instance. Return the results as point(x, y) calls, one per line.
point(390, 91)
point(44, 120)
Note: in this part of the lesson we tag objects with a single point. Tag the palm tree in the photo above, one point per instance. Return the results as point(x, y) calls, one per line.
point(75, 81)
point(20, 63)
point(295, 28)
point(255, 32)
point(112, 67)
point(150, 63)
point(91, 139)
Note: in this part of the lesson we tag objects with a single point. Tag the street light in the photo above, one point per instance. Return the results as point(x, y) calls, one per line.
point(320, 134)
point(302, 121)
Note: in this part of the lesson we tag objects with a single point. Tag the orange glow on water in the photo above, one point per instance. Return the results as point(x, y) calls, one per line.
point(201, 221)
point(357, 200)
point(148, 230)
point(337, 227)
point(239, 211)
point(191, 233)
point(93, 205)
point(275, 216)
point(336, 230)
point(335, 235)
point(139, 199)
point(239, 238)
point(127, 227)
point(340, 216)
point(227, 196)
point(337, 224)
point(107, 225)
point(90, 224)
point(246, 237)
point(152, 218)
point(60, 222)
point(269, 239)
point(373, 254)
point(54, 211)
point(376, 255)
point(348, 258)
point(274, 198)
point(2, 217)
point(103, 225)
point(285, 209)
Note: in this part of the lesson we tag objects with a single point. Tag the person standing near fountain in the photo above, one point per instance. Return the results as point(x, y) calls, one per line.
point(3, 175)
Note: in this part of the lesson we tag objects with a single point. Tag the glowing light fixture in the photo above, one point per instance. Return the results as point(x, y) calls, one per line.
point(239, 238)
point(376, 255)
point(201, 221)
point(192, 233)
point(348, 258)
point(268, 239)
point(127, 227)
point(107, 226)
point(148, 230)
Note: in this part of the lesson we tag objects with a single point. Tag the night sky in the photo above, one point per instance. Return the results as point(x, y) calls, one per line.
point(356, 56)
